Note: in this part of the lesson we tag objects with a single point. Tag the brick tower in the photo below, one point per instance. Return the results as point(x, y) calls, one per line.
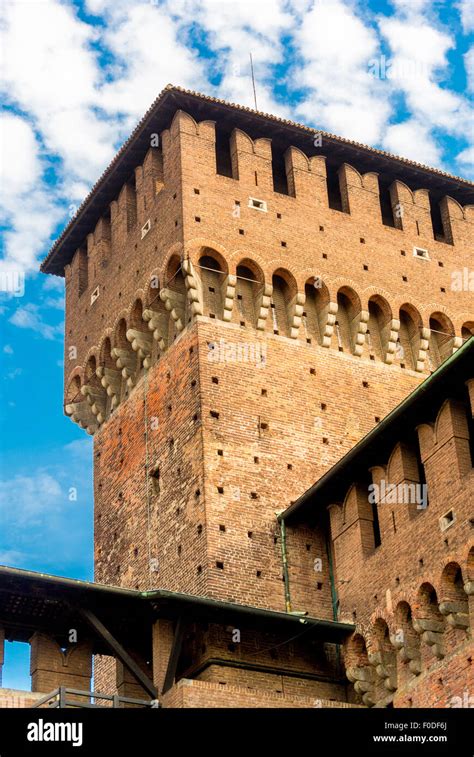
point(245, 300)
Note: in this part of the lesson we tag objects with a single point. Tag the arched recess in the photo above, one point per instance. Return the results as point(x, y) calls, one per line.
point(248, 288)
point(73, 391)
point(384, 658)
point(441, 340)
point(406, 639)
point(110, 376)
point(93, 391)
point(173, 295)
point(213, 271)
point(467, 330)
point(156, 316)
point(139, 336)
point(429, 622)
point(283, 294)
point(77, 408)
point(378, 327)
point(358, 669)
point(453, 598)
point(125, 358)
point(409, 337)
point(347, 321)
point(316, 311)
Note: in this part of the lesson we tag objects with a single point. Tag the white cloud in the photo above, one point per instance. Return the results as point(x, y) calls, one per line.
point(148, 55)
point(465, 161)
point(33, 498)
point(77, 108)
point(336, 48)
point(26, 206)
point(412, 139)
point(28, 317)
point(56, 81)
point(419, 51)
point(12, 557)
point(469, 66)
point(466, 9)
point(233, 31)
point(8, 349)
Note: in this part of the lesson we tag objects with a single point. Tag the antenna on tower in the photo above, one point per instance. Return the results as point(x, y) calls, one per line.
point(253, 83)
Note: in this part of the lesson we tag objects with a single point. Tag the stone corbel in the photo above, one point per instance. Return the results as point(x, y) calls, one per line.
point(158, 323)
point(175, 303)
point(456, 613)
point(363, 680)
point(95, 397)
point(295, 314)
point(390, 339)
point(142, 344)
point(358, 331)
point(422, 349)
point(384, 669)
point(228, 295)
point(194, 288)
point(326, 324)
point(431, 632)
point(263, 306)
point(111, 380)
point(126, 361)
point(408, 654)
point(81, 413)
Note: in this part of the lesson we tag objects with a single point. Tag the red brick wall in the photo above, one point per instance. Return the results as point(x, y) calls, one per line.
point(314, 402)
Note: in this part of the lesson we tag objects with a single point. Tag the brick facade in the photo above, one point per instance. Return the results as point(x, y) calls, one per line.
point(227, 344)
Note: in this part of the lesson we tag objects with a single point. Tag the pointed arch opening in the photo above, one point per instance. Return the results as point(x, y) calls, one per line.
point(378, 329)
point(409, 337)
point(249, 285)
point(441, 340)
point(213, 271)
point(348, 311)
point(284, 289)
point(315, 310)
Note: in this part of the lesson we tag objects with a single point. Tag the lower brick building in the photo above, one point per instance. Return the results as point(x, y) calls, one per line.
point(395, 515)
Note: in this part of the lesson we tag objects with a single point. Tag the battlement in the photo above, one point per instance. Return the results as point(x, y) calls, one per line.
point(402, 554)
point(286, 219)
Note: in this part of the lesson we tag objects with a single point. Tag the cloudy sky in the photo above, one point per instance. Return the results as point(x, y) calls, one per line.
point(75, 79)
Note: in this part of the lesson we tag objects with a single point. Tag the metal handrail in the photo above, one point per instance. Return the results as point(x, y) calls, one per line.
point(58, 698)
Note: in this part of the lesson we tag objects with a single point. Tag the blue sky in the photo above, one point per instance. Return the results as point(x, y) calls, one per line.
point(76, 77)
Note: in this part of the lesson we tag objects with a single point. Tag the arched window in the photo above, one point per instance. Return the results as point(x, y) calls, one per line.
point(280, 303)
point(249, 283)
point(406, 639)
point(428, 617)
point(378, 328)
point(467, 330)
point(174, 295)
point(213, 280)
point(409, 337)
point(125, 358)
point(386, 657)
point(73, 393)
point(315, 310)
point(441, 340)
point(454, 603)
point(348, 308)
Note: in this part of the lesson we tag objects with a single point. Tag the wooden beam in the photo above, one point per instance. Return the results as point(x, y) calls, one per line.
point(119, 651)
point(174, 656)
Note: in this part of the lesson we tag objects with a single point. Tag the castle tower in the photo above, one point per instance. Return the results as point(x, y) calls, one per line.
point(245, 300)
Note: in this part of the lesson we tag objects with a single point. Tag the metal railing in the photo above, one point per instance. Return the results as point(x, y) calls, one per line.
point(61, 698)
